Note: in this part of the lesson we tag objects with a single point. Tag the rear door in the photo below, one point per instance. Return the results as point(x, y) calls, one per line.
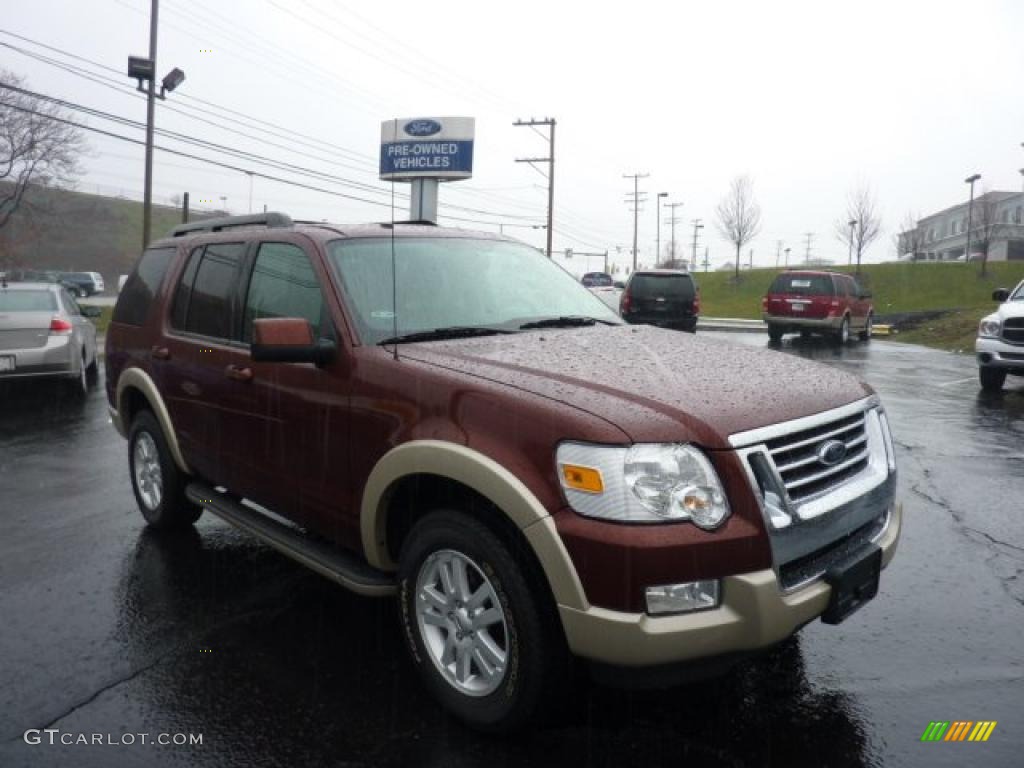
point(198, 351)
point(801, 295)
point(661, 297)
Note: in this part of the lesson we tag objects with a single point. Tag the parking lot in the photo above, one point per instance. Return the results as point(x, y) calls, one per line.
point(109, 628)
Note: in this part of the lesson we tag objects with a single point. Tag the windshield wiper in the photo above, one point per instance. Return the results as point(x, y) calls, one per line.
point(439, 334)
point(566, 321)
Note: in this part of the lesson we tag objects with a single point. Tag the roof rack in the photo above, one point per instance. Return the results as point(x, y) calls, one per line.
point(271, 220)
point(411, 222)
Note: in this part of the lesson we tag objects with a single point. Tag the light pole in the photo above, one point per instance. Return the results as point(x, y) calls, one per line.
point(787, 257)
point(849, 254)
point(145, 69)
point(970, 205)
point(224, 202)
point(250, 190)
point(657, 229)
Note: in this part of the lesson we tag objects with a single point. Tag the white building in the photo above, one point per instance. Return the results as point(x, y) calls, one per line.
point(997, 226)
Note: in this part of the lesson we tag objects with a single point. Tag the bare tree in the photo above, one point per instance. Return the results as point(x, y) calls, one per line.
point(861, 210)
point(35, 146)
point(910, 238)
point(984, 225)
point(739, 216)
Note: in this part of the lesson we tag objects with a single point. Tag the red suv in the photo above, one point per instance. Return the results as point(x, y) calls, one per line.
point(534, 480)
point(817, 302)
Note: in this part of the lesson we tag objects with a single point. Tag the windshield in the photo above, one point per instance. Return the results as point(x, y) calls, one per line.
point(27, 301)
point(803, 285)
point(1018, 295)
point(454, 282)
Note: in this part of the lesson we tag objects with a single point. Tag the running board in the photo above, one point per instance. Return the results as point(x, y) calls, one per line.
point(334, 563)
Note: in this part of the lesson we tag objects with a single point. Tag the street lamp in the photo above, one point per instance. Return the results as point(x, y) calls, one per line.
point(970, 205)
point(657, 229)
point(787, 257)
point(849, 254)
point(144, 70)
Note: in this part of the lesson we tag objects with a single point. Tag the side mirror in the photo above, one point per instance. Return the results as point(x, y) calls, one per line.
point(91, 311)
point(1000, 295)
point(289, 340)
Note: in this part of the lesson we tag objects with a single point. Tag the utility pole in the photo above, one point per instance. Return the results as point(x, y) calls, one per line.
point(706, 260)
point(147, 194)
point(657, 229)
point(184, 209)
point(550, 160)
point(778, 252)
point(697, 227)
point(807, 257)
point(635, 194)
point(673, 219)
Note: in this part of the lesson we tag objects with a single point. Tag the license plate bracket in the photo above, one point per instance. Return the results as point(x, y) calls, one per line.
point(854, 582)
point(7, 363)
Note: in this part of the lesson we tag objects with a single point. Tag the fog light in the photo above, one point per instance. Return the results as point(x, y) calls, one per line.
point(683, 598)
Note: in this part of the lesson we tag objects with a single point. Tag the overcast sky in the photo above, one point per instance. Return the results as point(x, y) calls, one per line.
point(810, 99)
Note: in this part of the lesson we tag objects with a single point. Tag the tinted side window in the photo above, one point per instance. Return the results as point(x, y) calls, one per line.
point(183, 293)
point(143, 284)
point(211, 301)
point(283, 284)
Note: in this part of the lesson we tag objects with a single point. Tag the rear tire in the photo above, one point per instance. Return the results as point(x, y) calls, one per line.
point(448, 561)
point(992, 379)
point(774, 334)
point(158, 484)
point(843, 334)
point(865, 335)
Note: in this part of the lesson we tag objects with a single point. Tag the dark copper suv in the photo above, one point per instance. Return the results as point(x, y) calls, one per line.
point(534, 479)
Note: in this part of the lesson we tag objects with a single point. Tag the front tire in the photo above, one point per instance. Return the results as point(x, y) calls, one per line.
point(992, 379)
point(158, 484)
point(476, 628)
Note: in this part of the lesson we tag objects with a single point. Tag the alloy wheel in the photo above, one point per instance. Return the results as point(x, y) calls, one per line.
point(146, 466)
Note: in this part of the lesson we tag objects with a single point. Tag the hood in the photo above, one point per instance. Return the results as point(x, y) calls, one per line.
point(654, 384)
point(1010, 309)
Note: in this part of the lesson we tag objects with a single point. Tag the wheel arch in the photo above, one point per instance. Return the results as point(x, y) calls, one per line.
point(137, 390)
point(439, 471)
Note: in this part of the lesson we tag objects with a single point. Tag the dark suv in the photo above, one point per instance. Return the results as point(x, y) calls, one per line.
point(432, 430)
point(668, 298)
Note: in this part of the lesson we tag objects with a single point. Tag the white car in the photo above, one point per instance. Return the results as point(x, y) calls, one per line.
point(1000, 344)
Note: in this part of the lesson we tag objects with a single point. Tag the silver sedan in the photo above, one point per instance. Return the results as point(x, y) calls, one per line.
point(44, 333)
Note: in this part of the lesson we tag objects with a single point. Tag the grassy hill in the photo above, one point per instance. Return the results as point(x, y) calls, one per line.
point(956, 290)
point(74, 231)
point(897, 288)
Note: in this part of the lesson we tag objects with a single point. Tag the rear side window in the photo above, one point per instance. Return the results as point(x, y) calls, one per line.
point(283, 284)
point(665, 286)
point(142, 285)
point(27, 301)
point(803, 285)
point(204, 302)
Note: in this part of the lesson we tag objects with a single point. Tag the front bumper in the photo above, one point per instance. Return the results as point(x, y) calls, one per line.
point(996, 353)
point(755, 613)
point(804, 323)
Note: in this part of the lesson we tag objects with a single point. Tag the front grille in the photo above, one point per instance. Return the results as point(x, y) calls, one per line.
point(1013, 330)
point(803, 473)
point(813, 565)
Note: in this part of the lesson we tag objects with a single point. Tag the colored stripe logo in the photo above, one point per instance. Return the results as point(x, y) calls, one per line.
point(958, 730)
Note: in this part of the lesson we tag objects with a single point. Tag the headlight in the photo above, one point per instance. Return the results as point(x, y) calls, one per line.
point(989, 326)
point(646, 483)
point(890, 448)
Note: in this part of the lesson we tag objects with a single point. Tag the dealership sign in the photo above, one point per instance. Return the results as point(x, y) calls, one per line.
point(427, 148)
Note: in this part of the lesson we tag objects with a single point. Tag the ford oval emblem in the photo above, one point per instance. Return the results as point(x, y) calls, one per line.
point(831, 452)
point(422, 127)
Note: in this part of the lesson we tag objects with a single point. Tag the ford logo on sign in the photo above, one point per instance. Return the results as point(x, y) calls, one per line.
point(831, 452)
point(422, 127)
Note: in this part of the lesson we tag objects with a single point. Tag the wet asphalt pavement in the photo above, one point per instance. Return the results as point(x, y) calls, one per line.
point(107, 628)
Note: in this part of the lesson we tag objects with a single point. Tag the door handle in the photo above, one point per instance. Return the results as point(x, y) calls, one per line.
point(238, 373)
point(160, 353)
